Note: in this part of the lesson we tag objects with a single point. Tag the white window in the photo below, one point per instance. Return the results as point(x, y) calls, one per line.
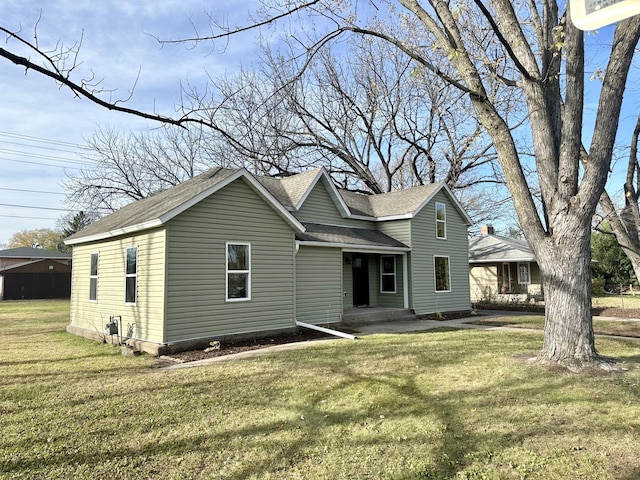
point(238, 271)
point(524, 274)
point(388, 274)
point(131, 275)
point(442, 277)
point(93, 278)
point(441, 220)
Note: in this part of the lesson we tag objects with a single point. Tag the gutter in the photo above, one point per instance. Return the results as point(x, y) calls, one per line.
point(326, 330)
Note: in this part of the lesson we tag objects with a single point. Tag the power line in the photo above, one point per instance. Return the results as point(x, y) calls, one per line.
point(36, 208)
point(40, 163)
point(37, 146)
point(45, 157)
point(44, 208)
point(27, 217)
point(31, 191)
point(40, 139)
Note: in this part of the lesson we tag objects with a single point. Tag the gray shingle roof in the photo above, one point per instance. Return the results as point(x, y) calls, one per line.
point(392, 204)
point(347, 236)
point(29, 252)
point(288, 192)
point(155, 206)
point(495, 248)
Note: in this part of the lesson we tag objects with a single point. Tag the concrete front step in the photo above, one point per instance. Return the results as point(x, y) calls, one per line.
point(359, 316)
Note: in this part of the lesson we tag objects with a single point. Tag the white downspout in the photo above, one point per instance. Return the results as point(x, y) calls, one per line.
point(326, 330)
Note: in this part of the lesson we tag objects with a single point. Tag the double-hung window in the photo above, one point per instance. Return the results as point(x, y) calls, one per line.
point(442, 276)
point(388, 274)
point(441, 220)
point(238, 271)
point(93, 278)
point(524, 274)
point(131, 275)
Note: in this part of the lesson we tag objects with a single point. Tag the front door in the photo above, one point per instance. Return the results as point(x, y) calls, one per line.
point(360, 266)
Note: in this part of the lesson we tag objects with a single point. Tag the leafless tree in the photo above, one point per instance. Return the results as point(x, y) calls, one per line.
point(367, 114)
point(528, 51)
point(492, 51)
point(625, 222)
point(126, 166)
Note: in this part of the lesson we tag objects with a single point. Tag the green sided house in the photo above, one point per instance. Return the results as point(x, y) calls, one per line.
point(228, 254)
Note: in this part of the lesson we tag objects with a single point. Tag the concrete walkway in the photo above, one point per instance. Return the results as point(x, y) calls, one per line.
point(402, 326)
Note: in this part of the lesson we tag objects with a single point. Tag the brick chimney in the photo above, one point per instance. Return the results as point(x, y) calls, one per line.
point(486, 230)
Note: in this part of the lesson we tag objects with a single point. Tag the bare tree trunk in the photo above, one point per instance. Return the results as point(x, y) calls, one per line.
point(568, 332)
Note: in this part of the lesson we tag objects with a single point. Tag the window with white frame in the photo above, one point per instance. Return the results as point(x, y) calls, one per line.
point(441, 220)
point(442, 277)
point(524, 273)
point(131, 275)
point(93, 277)
point(388, 274)
point(238, 271)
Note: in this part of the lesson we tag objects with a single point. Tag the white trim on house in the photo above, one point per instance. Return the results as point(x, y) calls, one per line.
point(347, 247)
point(96, 276)
point(333, 193)
point(439, 221)
point(388, 274)
point(405, 279)
point(163, 219)
point(116, 232)
point(509, 260)
point(524, 281)
point(246, 272)
point(435, 279)
point(130, 275)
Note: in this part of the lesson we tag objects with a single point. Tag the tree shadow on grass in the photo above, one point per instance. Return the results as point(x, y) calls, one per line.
point(337, 404)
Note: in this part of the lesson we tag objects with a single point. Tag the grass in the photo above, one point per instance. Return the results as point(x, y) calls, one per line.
point(536, 322)
point(432, 405)
point(617, 301)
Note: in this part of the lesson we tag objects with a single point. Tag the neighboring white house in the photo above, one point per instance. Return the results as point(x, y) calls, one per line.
point(502, 268)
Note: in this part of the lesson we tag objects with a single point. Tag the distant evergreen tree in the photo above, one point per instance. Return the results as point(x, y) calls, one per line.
point(610, 262)
point(79, 221)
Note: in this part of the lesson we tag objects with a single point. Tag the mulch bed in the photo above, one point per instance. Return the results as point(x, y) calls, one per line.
point(306, 335)
point(229, 348)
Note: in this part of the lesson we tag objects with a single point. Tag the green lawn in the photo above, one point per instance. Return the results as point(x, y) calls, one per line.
point(617, 301)
point(433, 405)
point(602, 327)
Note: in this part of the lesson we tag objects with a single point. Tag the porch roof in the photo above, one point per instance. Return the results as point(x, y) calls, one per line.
point(345, 236)
point(495, 248)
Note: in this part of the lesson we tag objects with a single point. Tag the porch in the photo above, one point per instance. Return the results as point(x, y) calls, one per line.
point(374, 280)
point(366, 315)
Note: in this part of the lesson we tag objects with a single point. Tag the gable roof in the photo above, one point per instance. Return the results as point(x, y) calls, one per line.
point(158, 209)
point(495, 248)
point(399, 204)
point(34, 253)
point(293, 191)
point(290, 191)
point(284, 195)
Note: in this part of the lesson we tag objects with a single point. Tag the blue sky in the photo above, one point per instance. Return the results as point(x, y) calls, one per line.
point(43, 127)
